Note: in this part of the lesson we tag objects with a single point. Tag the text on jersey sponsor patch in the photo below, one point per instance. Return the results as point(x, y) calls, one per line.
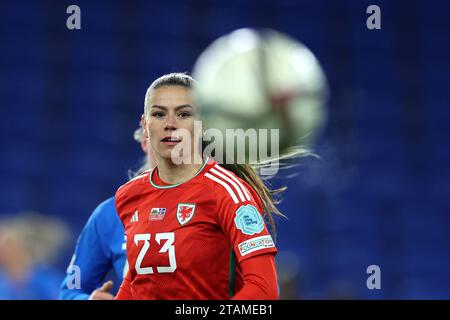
point(255, 244)
point(157, 214)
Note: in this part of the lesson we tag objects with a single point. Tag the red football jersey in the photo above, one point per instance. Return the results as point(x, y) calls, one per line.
point(185, 241)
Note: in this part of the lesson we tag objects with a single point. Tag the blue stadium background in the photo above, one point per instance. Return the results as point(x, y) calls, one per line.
point(70, 101)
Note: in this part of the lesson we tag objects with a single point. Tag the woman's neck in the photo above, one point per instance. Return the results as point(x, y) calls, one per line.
point(173, 174)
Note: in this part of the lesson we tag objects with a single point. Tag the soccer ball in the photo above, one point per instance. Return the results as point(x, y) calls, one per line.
point(261, 79)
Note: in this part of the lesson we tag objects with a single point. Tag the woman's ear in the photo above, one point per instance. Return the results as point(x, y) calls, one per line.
point(145, 133)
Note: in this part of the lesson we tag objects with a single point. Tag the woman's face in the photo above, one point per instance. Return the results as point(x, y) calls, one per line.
point(169, 120)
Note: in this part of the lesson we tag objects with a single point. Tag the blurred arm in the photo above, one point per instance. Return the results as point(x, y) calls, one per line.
point(90, 259)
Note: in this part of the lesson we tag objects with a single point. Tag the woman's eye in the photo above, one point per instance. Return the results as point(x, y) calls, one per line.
point(184, 115)
point(158, 114)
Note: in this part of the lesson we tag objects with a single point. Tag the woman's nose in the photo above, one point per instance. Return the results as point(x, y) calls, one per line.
point(171, 122)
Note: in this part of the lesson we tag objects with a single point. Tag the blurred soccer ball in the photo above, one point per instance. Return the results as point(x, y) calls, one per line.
point(262, 79)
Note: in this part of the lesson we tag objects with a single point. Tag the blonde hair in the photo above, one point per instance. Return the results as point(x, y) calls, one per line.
point(144, 165)
point(270, 198)
point(182, 79)
point(43, 236)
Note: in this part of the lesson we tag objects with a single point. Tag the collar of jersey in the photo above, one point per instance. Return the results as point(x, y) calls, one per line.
point(177, 184)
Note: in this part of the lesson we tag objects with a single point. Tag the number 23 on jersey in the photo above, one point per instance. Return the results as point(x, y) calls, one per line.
point(168, 246)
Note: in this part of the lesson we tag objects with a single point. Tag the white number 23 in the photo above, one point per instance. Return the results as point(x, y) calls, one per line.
point(168, 246)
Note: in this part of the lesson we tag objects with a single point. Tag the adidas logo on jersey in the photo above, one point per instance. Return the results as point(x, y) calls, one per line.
point(135, 217)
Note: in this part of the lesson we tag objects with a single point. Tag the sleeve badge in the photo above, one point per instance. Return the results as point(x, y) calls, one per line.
point(249, 220)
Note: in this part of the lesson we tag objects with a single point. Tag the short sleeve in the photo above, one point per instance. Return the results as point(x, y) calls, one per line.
point(242, 220)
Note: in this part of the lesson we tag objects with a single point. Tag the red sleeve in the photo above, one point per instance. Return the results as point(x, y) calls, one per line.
point(260, 279)
point(125, 289)
point(242, 220)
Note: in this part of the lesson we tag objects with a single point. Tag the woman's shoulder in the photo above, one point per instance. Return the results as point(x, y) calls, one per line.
point(133, 185)
point(226, 184)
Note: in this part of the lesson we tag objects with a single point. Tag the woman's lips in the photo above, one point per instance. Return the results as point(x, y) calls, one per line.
point(170, 141)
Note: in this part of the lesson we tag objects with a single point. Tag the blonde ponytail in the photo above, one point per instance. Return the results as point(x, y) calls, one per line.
point(270, 198)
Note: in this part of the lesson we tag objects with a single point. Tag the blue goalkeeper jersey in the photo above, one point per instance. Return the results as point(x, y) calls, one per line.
point(100, 248)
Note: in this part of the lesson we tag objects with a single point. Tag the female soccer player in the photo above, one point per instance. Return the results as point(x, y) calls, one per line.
point(194, 231)
point(100, 248)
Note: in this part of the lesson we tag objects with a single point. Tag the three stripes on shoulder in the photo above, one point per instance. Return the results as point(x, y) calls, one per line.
point(233, 186)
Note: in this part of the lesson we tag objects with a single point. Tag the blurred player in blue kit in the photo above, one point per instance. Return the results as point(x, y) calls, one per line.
point(29, 244)
point(100, 249)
